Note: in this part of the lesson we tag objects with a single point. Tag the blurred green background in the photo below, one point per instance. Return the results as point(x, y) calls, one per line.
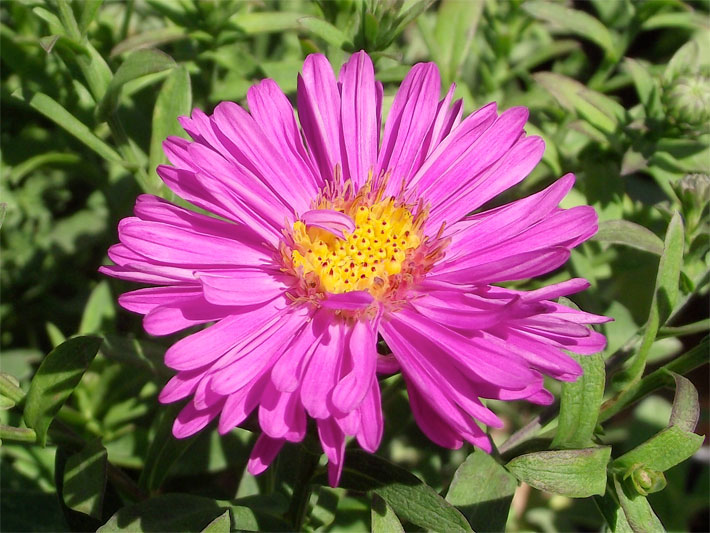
point(619, 90)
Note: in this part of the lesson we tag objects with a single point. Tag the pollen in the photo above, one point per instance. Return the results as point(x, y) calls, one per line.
point(370, 258)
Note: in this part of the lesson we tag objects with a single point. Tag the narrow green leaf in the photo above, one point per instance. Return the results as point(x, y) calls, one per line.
point(266, 22)
point(456, 24)
point(89, 9)
point(169, 512)
point(664, 450)
point(85, 480)
point(580, 402)
point(686, 409)
point(221, 524)
point(66, 15)
point(665, 297)
point(325, 30)
point(667, 288)
point(17, 434)
point(639, 515)
point(6, 403)
point(56, 378)
point(573, 473)
point(136, 65)
point(597, 109)
point(574, 21)
point(408, 496)
point(149, 39)
point(99, 310)
point(163, 451)
point(10, 387)
point(629, 234)
point(484, 504)
point(52, 110)
point(383, 519)
point(174, 100)
point(52, 20)
point(647, 87)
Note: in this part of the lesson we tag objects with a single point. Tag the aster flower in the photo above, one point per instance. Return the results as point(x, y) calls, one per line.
point(315, 249)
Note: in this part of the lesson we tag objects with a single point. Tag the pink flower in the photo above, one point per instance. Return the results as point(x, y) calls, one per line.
point(317, 248)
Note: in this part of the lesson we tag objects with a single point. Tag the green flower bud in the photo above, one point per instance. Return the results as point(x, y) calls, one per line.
point(693, 191)
point(644, 481)
point(687, 101)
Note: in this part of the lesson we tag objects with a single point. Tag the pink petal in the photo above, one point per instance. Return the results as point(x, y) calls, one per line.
point(245, 286)
point(362, 352)
point(333, 441)
point(274, 114)
point(413, 110)
point(333, 221)
point(350, 301)
point(358, 114)
point(264, 452)
point(319, 377)
point(319, 111)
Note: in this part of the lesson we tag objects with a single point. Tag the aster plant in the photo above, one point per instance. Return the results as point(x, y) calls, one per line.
point(360, 295)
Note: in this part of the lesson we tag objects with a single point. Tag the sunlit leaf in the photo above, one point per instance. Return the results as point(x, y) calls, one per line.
point(579, 404)
point(573, 473)
point(485, 505)
point(136, 65)
point(55, 380)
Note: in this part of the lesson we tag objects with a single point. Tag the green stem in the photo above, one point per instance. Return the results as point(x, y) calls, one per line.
point(655, 380)
point(302, 488)
point(689, 329)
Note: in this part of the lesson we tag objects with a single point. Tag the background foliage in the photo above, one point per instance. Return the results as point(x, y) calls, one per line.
point(618, 89)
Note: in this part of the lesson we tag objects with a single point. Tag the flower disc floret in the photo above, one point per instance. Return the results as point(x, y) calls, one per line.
point(365, 259)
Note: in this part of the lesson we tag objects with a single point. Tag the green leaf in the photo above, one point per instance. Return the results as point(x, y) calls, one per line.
point(456, 24)
point(99, 310)
point(573, 473)
point(10, 387)
point(17, 434)
point(52, 110)
point(88, 13)
point(85, 480)
point(56, 378)
point(326, 31)
point(383, 519)
point(686, 410)
point(629, 234)
point(266, 22)
point(149, 39)
point(574, 21)
point(597, 109)
point(164, 450)
point(138, 64)
point(130, 351)
point(221, 524)
point(408, 496)
point(580, 402)
point(665, 297)
point(174, 100)
point(667, 289)
point(640, 518)
point(169, 512)
point(484, 504)
point(647, 87)
point(664, 450)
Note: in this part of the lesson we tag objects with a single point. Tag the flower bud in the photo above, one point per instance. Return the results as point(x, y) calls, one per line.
point(643, 480)
point(687, 101)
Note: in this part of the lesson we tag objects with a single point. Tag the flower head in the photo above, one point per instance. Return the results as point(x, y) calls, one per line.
point(315, 250)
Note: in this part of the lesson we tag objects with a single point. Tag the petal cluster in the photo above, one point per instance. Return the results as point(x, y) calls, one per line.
point(283, 341)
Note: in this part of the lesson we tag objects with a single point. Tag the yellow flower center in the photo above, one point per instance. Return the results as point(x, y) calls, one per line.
point(368, 259)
